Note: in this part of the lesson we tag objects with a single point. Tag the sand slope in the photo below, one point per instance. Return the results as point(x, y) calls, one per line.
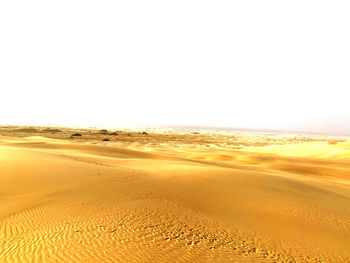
point(65, 201)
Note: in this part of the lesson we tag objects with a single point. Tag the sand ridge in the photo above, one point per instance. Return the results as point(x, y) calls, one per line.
point(65, 200)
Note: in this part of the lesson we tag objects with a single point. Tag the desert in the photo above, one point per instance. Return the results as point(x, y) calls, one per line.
point(174, 131)
point(170, 195)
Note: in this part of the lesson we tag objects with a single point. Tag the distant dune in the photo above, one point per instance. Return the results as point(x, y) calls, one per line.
point(334, 129)
point(172, 196)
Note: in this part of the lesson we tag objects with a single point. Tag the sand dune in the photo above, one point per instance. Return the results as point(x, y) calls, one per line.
point(166, 201)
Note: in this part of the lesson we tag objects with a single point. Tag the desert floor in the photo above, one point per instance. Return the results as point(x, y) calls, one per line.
point(172, 196)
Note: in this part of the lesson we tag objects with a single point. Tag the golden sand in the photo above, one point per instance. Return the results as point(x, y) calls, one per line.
point(173, 197)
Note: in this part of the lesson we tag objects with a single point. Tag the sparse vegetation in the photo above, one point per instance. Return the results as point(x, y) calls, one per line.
point(27, 130)
point(52, 130)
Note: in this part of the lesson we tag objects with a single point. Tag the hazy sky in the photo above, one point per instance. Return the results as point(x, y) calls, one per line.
point(264, 64)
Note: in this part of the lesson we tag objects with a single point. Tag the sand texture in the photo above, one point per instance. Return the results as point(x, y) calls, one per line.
point(172, 196)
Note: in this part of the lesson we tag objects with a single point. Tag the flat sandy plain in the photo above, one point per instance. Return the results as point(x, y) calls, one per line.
point(172, 196)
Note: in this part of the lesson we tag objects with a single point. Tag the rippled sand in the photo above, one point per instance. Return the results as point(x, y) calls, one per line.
point(173, 197)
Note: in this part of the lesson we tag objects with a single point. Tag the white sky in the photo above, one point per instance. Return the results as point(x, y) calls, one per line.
point(264, 64)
